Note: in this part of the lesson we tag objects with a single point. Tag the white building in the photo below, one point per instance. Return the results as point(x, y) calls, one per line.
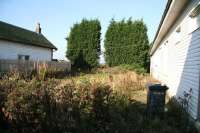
point(18, 43)
point(175, 54)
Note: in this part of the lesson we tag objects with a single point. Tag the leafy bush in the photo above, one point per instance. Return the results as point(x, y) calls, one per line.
point(7, 85)
point(26, 105)
point(39, 106)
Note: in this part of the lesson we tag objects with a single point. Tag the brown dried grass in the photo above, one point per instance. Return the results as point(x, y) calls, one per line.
point(123, 82)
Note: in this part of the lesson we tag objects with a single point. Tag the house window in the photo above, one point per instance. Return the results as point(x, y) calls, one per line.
point(26, 57)
point(23, 57)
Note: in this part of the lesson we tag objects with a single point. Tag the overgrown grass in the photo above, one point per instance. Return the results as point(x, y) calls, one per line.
point(108, 100)
point(42, 72)
point(138, 69)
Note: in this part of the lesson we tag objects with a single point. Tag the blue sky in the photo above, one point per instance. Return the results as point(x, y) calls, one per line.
point(58, 16)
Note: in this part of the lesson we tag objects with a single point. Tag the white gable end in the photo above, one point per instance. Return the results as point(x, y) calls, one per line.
point(11, 50)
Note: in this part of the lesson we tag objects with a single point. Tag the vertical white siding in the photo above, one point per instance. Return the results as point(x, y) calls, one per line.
point(176, 62)
point(11, 50)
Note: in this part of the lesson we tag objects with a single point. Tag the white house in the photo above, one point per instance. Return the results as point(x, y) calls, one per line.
point(175, 54)
point(20, 44)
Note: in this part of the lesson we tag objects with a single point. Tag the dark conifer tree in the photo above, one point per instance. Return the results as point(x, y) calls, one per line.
point(83, 44)
point(126, 42)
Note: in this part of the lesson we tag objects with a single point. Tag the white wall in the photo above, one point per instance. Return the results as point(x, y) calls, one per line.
point(176, 62)
point(11, 50)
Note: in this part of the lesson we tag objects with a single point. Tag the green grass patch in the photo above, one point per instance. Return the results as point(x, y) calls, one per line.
point(138, 69)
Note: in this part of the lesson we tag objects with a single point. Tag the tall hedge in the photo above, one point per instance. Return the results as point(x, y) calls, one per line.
point(83, 47)
point(126, 42)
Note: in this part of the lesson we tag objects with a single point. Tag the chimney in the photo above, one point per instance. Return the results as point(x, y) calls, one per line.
point(38, 29)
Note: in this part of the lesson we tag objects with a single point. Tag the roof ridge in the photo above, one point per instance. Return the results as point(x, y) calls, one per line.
point(19, 27)
point(19, 34)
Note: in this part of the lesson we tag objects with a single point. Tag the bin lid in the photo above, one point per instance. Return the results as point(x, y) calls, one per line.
point(156, 87)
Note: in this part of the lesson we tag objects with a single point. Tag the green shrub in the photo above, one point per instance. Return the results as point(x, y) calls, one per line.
point(39, 106)
point(27, 103)
point(138, 69)
point(7, 85)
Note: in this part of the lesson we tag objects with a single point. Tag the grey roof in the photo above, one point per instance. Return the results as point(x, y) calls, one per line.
point(17, 34)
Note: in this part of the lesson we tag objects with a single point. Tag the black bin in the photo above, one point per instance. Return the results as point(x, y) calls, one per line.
point(156, 99)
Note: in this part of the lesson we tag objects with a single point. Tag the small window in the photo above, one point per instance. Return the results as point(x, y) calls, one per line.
point(19, 57)
point(23, 57)
point(26, 57)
